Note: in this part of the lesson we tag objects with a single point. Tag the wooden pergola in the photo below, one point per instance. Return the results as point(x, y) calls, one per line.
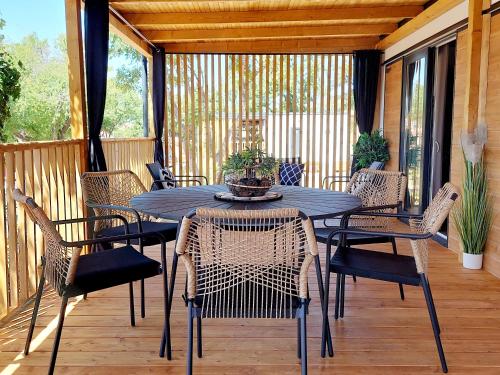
point(260, 26)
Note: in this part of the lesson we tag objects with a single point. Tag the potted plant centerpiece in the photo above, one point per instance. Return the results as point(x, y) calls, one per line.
point(249, 173)
point(473, 215)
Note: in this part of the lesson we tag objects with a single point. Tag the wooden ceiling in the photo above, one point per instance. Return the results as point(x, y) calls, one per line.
point(253, 26)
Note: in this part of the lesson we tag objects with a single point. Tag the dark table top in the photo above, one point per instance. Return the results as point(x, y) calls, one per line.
point(173, 204)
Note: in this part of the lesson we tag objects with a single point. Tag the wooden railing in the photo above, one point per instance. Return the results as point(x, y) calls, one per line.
point(50, 173)
point(130, 153)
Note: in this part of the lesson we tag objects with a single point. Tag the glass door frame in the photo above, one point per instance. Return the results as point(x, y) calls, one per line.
point(428, 104)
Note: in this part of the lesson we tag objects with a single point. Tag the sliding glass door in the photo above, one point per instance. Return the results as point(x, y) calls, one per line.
point(414, 124)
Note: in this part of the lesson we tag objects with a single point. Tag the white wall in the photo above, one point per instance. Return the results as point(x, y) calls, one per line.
point(437, 25)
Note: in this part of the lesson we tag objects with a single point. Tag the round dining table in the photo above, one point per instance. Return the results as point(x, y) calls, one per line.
point(174, 204)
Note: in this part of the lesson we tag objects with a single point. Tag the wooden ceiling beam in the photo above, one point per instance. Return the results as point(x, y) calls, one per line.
point(117, 27)
point(328, 45)
point(164, 36)
point(337, 13)
point(432, 12)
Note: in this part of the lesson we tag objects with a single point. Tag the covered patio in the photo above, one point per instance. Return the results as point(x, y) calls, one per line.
point(284, 77)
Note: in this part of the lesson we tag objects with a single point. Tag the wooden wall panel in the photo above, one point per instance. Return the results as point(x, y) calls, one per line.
point(492, 254)
point(392, 111)
point(458, 121)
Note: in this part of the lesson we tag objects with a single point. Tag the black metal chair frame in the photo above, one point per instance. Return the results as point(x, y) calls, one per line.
point(194, 312)
point(343, 232)
point(66, 295)
point(158, 182)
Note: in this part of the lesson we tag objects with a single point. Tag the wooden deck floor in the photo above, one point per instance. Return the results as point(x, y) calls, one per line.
point(380, 334)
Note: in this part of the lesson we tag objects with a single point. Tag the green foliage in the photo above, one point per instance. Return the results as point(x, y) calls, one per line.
point(42, 111)
point(474, 213)
point(370, 148)
point(10, 86)
point(240, 163)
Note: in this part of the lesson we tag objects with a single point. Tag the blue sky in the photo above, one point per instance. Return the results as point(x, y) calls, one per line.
point(24, 17)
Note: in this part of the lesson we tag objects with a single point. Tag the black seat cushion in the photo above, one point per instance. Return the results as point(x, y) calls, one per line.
point(168, 230)
point(352, 239)
point(247, 298)
point(375, 265)
point(104, 269)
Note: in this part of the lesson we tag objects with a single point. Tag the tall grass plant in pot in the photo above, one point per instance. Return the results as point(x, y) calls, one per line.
point(473, 215)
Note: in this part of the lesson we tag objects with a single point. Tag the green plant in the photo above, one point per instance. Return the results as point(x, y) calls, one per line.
point(249, 161)
point(369, 148)
point(10, 87)
point(473, 215)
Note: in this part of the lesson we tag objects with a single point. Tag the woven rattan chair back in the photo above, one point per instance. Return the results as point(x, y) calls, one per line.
point(247, 264)
point(60, 261)
point(376, 188)
point(114, 188)
point(431, 221)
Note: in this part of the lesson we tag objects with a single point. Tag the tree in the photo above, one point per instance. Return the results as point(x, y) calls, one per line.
point(42, 110)
point(10, 86)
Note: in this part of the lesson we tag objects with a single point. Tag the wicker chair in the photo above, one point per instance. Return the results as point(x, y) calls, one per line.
point(247, 264)
point(160, 184)
point(71, 273)
point(376, 188)
point(402, 269)
point(330, 181)
point(109, 193)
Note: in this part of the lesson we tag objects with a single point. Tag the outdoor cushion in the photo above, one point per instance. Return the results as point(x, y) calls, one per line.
point(375, 265)
point(168, 230)
point(168, 176)
point(105, 269)
point(291, 174)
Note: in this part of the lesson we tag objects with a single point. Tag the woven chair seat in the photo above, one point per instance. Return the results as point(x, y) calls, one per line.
point(110, 268)
point(375, 265)
point(167, 230)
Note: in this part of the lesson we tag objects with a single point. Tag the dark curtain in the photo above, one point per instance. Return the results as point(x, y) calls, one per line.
point(159, 101)
point(145, 114)
point(365, 80)
point(96, 68)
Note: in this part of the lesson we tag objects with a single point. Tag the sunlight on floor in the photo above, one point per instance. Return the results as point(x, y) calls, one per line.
point(39, 338)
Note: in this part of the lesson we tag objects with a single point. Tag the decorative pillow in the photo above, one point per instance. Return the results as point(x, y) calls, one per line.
point(291, 174)
point(169, 178)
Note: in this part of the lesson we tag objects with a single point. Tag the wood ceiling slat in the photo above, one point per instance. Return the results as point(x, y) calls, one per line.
point(337, 13)
point(329, 45)
point(138, 6)
point(270, 32)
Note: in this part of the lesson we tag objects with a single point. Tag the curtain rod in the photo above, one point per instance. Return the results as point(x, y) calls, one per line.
point(124, 20)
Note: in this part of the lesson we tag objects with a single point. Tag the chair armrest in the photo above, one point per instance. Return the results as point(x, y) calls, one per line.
point(410, 236)
point(194, 177)
point(119, 208)
point(364, 211)
point(180, 180)
point(91, 219)
point(344, 178)
point(124, 237)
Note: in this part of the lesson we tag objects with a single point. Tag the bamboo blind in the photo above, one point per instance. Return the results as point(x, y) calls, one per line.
point(289, 105)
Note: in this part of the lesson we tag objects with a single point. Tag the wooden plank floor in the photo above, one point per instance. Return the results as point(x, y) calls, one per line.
point(380, 334)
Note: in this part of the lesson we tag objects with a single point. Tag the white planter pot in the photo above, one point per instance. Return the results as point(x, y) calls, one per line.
point(473, 261)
